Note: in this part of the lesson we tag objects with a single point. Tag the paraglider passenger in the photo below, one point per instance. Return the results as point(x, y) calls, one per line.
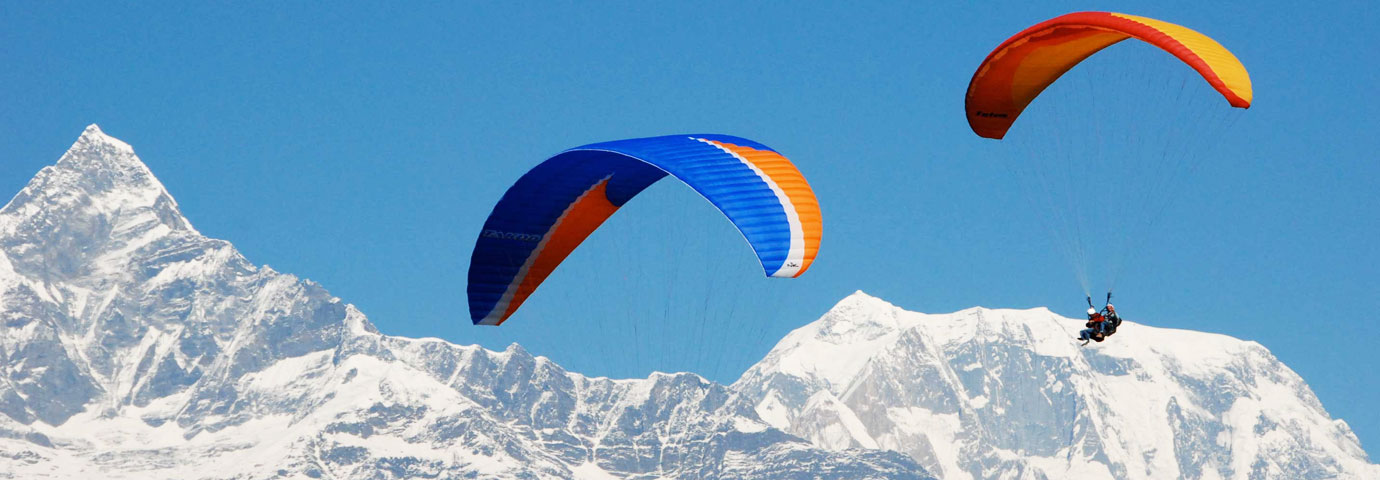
point(1095, 326)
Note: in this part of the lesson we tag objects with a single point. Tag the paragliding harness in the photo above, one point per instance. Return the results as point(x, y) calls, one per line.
point(1103, 323)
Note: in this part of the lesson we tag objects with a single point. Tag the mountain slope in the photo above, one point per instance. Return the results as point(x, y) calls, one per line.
point(985, 393)
point(135, 347)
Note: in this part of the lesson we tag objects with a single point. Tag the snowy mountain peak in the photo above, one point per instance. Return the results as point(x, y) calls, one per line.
point(98, 172)
point(834, 348)
point(997, 393)
point(108, 163)
point(100, 197)
point(93, 134)
point(857, 316)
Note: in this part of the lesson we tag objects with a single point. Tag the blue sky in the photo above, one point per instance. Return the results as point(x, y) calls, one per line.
point(362, 146)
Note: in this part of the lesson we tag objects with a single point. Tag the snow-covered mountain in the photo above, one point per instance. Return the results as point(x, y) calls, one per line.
point(985, 393)
point(135, 347)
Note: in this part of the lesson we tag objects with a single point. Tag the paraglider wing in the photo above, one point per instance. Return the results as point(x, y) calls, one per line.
point(557, 204)
point(1022, 66)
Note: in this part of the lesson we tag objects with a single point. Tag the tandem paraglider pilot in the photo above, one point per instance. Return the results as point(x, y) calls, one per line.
point(1100, 324)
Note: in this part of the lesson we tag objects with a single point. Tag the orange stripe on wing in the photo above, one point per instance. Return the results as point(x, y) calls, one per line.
point(579, 220)
point(788, 178)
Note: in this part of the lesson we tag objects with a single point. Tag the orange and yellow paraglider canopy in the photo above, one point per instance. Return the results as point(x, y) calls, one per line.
point(1025, 64)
